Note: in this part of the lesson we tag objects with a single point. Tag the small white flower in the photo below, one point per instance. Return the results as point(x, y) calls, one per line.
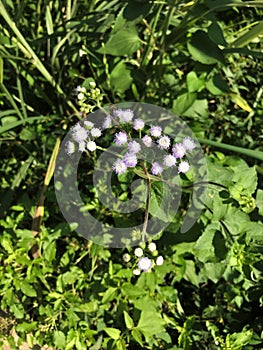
point(92, 84)
point(79, 133)
point(70, 147)
point(95, 132)
point(134, 147)
point(138, 252)
point(183, 167)
point(145, 264)
point(189, 144)
point(119, 167)
point(81, 96)
point(126, 257)
point(91, 146)
point(88, 124)
point(164, 142)
point(136, 272)
point(107, 123)
point(169, 160)
point(159, 261)
point(82, 146)
point(152, 247)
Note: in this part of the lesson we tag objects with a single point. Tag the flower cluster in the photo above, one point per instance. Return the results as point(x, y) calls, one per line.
point(84, 137)
point(124, 125)
point(91, 93)
point(153, 136)
point(144, 258)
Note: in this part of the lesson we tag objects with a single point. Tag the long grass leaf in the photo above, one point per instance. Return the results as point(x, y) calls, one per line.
point(249, 36)
point(12, 125)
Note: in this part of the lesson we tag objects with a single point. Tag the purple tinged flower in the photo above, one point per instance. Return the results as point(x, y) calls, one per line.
point(164, 142)
point(125, 116)
point(156, 131)
point(119, 167)
point(130, 159)
point(156, 168)
point(95, 132)
point(138, 124)
point(134, 147)
point(179, 150)
point(183, 167)
point(121, 138)
point(144, 264)
point(147, 140)
point(169, 160)
point(70, 147)
point(91, 146)
point(107, 122)
point(79, 133)
point(189, 144)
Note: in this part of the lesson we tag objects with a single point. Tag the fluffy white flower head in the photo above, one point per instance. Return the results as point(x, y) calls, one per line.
point(91, 146)
point(145, 264)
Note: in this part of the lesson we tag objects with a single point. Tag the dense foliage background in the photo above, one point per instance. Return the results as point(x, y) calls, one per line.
point(200, 59)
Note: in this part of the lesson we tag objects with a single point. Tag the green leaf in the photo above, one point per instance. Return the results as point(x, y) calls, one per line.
point(50, 251)
point(217, 86)
point(183, 102)
point(137, 336)
point(132, 291)
point(253, 230)
point(193, 82)
point(150, 323)
point(162, 203)
point(123, 42)
point(204, 50)
point(114, 333)
point(215, 33)
point(240, 101)
point(120, 78)
point(26, 327)
point(128, 320)
point(109, 295)
point(259, 201)
point(27, 134)
point(27, 289)
point(204, 248)
point(214, 271)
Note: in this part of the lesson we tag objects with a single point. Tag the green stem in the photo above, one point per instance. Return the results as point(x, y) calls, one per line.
point(146, 215)
point(247, 152)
